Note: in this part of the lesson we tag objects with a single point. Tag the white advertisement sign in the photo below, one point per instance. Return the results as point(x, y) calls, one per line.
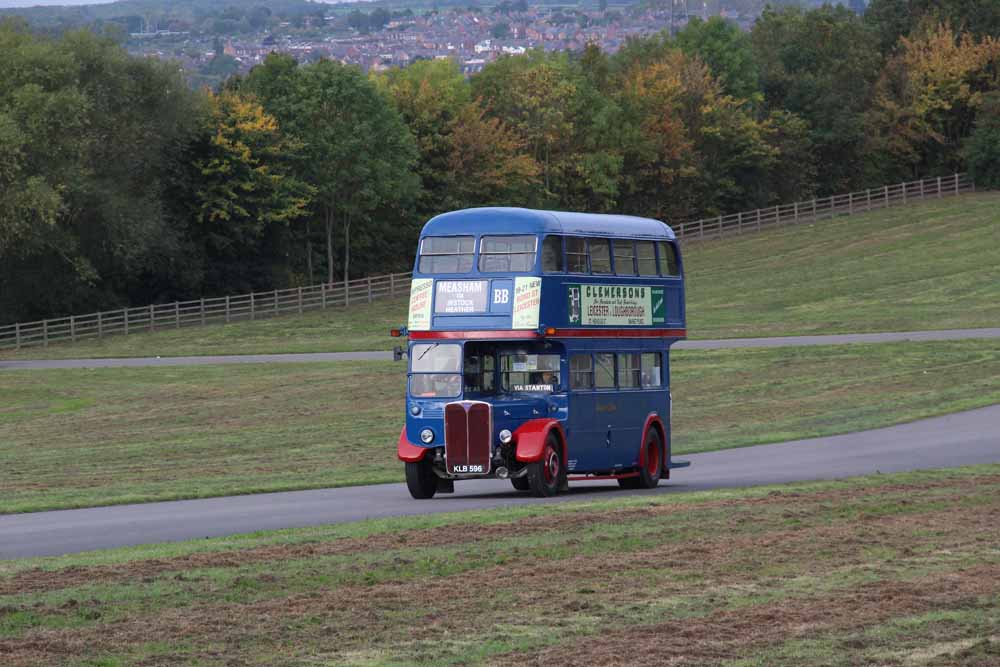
point(461, 296)
point(420, 304)
point(527, 301)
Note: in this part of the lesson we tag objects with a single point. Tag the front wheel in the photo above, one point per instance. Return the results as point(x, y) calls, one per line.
point(546, 474)
point(421, 480)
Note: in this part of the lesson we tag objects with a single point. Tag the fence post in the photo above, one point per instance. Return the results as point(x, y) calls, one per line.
point(370, 298)
point(921, 188)
point(795, 212)
point(152, 318)
point(886, 195)
point(276, 301)
point(322, 297)
point(904, 192)
point(850, 203)
point(45, 333)
point(227, 309)
point(72, 328)
point(868, 199)
point(701, 228)
point(347, 292)
point(814, 209)
point(125, 320)
point(177, 314)
point(939, 186)
point(251, 306)
point(956, 184)
point(300, 299)
point(17, 335)
point(777, 216)
point(202, 311)
point(739, 222)
point(758, 220)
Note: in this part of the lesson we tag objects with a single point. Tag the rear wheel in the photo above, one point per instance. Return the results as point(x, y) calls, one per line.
point(652, 464)
point(520, 483)
point(421, 480)
point(545, 475)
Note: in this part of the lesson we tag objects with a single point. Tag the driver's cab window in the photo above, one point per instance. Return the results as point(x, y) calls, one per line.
point(479, 371)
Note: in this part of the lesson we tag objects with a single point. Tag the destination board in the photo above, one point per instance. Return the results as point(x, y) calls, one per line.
point(615, 305)
point(453, 297)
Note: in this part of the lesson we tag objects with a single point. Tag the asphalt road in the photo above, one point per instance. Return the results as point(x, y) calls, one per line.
point(778, 341)
point(953, 440)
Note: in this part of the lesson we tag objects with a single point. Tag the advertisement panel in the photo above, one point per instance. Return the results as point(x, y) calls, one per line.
point(527, 301)
point(420, 304)
point(615, 305)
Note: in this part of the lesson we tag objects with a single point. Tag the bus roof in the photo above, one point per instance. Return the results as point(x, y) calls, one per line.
point(504, 220)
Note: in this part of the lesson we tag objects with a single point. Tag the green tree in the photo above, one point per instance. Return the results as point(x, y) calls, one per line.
point(727, 51)
point(892, 19)
point(982, 148)
point(821, 65)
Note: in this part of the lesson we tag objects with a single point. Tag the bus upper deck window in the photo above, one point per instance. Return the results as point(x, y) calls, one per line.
point(624, 257)
point(576, 255)
point(646, 258)
point(552, 254)
point(668, 259)
point(446, 254)
point(600, 256)
point(507, 254)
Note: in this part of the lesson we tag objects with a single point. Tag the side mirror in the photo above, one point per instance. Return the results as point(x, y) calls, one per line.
point(398, 353)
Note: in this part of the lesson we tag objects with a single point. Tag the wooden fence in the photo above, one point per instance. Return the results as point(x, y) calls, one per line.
point(253, 306)
point(260, 305)
point(828, 207)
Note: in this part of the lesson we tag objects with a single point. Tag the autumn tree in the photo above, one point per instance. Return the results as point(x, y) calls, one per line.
point(927, 99)
point(982, 148)
point(726, 49)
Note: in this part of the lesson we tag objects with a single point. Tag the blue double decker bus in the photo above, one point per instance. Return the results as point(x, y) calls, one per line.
point(538, 350)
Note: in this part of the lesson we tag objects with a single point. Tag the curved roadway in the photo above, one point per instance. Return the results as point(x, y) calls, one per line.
point(777, 341)
point(959, 439)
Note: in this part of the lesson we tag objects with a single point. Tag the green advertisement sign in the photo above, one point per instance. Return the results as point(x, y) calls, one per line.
point(615, 305)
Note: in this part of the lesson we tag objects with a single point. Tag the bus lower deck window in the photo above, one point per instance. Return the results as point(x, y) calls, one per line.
point(652, 370)
point(581, 372)
point(604, 371)
point(628, 370)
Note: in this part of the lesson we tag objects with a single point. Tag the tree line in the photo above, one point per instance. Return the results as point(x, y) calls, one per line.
point(119, 185)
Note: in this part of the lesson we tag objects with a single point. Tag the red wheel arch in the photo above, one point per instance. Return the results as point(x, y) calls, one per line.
point(530, 437)
point(653, 421)
point(407, 451)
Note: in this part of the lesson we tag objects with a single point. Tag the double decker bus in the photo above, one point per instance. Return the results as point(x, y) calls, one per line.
point(539, 350)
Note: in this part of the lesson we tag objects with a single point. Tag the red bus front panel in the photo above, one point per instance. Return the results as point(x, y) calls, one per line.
point(468, 431)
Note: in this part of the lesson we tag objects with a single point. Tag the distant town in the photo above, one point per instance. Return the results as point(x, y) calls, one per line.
point(380, 39)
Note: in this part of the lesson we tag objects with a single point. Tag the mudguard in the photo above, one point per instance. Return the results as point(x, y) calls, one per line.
point(529, 439)
point(407, 451)
point(653, 421)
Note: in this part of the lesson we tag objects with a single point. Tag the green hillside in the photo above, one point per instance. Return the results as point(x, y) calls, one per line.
point(930, 265)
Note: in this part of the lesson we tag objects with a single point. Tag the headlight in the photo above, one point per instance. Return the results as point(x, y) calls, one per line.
point(414, 410)
point(505, 436)
point(427, 436)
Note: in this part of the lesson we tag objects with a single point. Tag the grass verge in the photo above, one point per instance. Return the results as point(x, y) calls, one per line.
point(73, 438)
point(896, 570)
point(931, 265)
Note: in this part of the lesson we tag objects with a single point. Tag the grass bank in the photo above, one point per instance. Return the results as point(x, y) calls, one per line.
point(72, 438)
point(931, 265)
point(892, 570)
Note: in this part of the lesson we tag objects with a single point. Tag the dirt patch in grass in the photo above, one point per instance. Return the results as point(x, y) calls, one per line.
point(39, 580)
point(773, 568)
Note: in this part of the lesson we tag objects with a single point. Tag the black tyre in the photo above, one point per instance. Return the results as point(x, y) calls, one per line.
point(546, 475)
point(520, 483)
point(652, 464)
point(421, 480)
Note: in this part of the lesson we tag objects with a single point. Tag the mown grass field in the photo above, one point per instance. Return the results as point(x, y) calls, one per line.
point(897, 570)
point(930, 265)
point(72, 438)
